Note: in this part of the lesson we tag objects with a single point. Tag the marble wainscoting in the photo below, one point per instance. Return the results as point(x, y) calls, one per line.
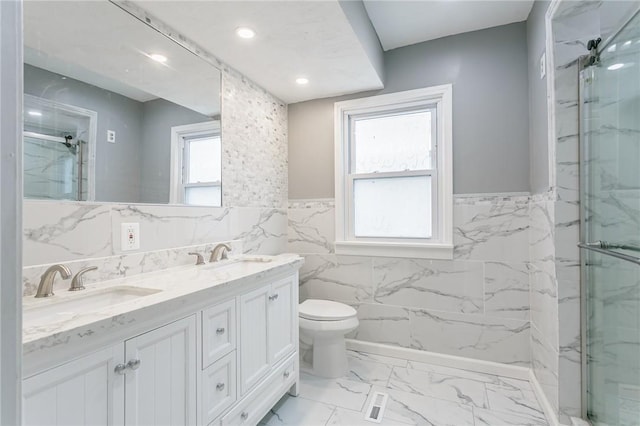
point(476, 305)
point(57, 232)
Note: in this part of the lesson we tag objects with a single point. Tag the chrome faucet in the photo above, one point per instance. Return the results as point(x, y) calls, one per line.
point(45, 288)
point(199, 258)
point(219, 252)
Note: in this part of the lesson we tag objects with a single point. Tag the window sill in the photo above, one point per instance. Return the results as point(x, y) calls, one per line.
point(419, 251)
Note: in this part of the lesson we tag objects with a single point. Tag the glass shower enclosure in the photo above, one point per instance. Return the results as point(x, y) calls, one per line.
point(610, 204)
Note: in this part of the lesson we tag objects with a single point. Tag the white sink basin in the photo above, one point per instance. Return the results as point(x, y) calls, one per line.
point(54, 309)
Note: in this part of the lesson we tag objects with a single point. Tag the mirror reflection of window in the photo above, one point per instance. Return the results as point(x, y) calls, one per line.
point(202, 174)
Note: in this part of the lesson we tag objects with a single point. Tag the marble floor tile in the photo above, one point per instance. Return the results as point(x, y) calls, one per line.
point(298, 411)
point(518, 402)
point(340, 392)
point(374, 373)
point(399, 362)
point(504, 382)
point(494, 418)
point(343, 417)
point(451, 388)
point(406, 407)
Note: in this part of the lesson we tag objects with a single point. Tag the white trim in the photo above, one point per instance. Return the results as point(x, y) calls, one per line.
point(551, 96)
point(442, 96)
point(92, 136)
point(462, 363)
point(177, 135)
point(395, 249)
point(547, 408)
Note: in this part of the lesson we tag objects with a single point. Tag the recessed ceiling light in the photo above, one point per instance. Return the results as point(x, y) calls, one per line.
point(245, 32)
point(626, 43)
point(35, 113)
point(302, 81)
point(615, 67)
point(612, 48)
point(158, 57)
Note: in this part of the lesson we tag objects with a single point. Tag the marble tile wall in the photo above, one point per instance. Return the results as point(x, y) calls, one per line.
point(476, 305)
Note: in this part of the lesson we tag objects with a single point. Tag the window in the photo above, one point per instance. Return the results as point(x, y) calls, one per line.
point(394, 189)
point(196, 164)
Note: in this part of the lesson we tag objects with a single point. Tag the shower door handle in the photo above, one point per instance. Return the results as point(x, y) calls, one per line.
point(603, 248)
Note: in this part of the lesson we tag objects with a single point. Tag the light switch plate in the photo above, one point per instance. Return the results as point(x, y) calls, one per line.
point(130, 236)
point(543, 65)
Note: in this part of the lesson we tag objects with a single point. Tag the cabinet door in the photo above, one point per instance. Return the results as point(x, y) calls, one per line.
point(281, 319)
point(254, 353)
point(161, 390)
point(85, 391)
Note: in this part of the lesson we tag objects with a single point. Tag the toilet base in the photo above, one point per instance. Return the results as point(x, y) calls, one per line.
point(329, 357)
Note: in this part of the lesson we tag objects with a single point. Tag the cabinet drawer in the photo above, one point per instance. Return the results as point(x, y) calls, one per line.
point(218, 331)
point(257, 404)
point(218, 387)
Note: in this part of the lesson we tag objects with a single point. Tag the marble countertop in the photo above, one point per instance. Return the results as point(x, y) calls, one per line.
point(178, 289)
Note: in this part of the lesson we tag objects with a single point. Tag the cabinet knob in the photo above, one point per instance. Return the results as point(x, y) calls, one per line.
point(120, 369)
point(220, 386)
point(273, 297)
point(220, 330)
point(286, 374)
point(133, 364)
point(244, 416)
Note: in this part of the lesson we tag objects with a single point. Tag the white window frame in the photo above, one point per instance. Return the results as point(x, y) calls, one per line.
point(440, 246)
point(179, 134)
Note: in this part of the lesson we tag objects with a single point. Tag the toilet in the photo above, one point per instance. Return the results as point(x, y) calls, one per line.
point(323, 325)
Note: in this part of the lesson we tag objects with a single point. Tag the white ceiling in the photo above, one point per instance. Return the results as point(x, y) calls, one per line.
point(311, 39)
point(402, 23)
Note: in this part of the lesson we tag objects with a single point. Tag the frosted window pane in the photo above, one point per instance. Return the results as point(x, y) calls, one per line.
point(203, 195)
point(393, 207)
point(394, 143)
point(204, 160)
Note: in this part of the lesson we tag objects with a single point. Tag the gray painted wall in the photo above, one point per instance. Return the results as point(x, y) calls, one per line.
point(117, 174)
point(159, 116)
point(538, 118)
point(488, 70)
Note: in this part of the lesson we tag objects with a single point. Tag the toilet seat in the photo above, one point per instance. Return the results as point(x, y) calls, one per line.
point(325, 310)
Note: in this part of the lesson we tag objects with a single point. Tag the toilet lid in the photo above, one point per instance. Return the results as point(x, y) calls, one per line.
point(325, 310)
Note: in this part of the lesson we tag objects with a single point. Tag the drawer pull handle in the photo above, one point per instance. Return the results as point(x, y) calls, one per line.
point(220, 386)
point(286, 374)
point(133, 364)
point(273, 297)
point(120, 369)
point(220, 330)
point(244, 416)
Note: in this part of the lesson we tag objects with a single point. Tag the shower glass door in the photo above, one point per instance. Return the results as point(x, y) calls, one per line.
point(610, 169)
point(50, 168)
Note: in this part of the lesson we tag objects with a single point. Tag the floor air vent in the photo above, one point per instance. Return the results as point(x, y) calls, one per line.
point(375, 412)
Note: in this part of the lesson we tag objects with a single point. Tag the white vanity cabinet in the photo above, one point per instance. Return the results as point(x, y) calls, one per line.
point(82, 392)
point(268, 329)
point(147, 380)
point(226, 362)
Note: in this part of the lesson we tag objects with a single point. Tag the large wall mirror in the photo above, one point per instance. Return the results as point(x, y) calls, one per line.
point(114, 111)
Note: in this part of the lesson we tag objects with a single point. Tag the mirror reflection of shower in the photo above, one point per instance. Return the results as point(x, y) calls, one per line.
point(57, 149)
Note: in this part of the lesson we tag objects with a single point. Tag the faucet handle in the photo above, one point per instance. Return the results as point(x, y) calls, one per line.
point(77, 283)
point(199, 258)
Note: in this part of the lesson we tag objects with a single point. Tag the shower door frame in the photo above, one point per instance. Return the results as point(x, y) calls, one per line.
point(92, 116)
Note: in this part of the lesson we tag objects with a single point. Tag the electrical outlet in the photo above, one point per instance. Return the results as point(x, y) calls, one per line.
point(130, 236)
point(111, 136)
point(543, 65)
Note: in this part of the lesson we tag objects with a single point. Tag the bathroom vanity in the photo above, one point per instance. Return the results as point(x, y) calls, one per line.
point(211, 344)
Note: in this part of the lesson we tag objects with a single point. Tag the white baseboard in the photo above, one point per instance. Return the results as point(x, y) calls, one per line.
point(480, 366)
point(549, 412)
